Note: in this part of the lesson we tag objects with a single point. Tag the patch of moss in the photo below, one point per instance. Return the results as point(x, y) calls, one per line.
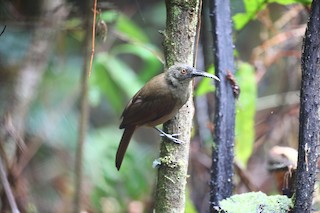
point(256, 202)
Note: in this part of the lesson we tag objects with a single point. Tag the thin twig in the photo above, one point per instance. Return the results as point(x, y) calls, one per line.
point(245, 178)
point(84, 110)
point(93, 34)
point(5, 26)
point(7, 189)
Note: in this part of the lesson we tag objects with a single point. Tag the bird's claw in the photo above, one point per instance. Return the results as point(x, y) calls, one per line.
point(177, 141)
point(172, 137)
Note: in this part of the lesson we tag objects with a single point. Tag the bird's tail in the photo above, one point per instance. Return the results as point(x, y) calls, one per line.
point(127, 134)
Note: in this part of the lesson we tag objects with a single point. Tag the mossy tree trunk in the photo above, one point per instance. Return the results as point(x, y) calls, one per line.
point(178, 45)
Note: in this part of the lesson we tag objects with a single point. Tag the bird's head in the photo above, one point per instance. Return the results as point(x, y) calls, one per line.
point(184, 72)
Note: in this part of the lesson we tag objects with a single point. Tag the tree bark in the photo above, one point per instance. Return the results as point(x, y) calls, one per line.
point(178, 44)
point(222, 154)
point(309, 128)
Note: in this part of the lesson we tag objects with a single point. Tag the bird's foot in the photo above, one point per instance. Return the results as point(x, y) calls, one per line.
point(171, 137)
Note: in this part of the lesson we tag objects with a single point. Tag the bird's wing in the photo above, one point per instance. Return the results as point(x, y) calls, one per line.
point(143, 109)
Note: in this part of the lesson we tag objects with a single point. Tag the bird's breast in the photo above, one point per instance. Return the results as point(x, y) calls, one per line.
point(165, 117)
point(179, 101)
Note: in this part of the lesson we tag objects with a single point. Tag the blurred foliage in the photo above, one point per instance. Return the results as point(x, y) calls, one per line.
point(245, 112)
point(206, 84)
point(253, 7)
point(190, 208)
point(57, 105)
point(112, 76)
point(133, 182)
point(113, 79)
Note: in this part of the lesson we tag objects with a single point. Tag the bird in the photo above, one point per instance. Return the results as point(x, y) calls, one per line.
point(157, 102)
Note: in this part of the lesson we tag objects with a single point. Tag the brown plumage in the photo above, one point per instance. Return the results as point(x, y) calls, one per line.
point(157, 102)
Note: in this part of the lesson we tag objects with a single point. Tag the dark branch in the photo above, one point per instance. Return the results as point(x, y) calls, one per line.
point(309, 127)
point(222, 155)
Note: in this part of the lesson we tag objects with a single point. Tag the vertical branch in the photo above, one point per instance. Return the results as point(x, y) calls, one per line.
point(309, 128)
point(93, 35)
point(222, 154)
point(179, 47)
point(7, 189)
point(83, 111)
point(197, 34)
point(206, 33)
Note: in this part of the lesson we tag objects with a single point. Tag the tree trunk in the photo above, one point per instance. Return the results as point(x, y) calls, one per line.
point(178, 44)
point(222, 154)
point(309, 128)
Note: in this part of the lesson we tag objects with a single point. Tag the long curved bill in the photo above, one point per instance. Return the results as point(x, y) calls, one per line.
point(196, 73)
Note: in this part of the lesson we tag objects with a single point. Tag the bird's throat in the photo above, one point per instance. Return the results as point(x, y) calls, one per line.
point(179, 89)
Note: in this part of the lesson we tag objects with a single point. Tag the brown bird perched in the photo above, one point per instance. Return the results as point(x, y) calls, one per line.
point(157, 102)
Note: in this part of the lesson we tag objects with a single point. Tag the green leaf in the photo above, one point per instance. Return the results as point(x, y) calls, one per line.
point(286, 2)
point(240, 20)
point(112, 78)
point(125, 78)
point(102, 84)
point(206, 84)
point(148, 53)
point(252, 7)
point(130, 30)
point(109, 16)
point(245, 112)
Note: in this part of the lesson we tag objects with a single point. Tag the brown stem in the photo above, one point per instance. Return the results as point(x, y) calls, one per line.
point(7, 189)
point(84, 111)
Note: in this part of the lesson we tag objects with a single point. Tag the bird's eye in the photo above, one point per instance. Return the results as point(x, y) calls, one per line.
point(183, 71)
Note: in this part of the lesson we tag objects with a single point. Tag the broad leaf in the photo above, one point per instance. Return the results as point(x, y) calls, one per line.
point(245, 113)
